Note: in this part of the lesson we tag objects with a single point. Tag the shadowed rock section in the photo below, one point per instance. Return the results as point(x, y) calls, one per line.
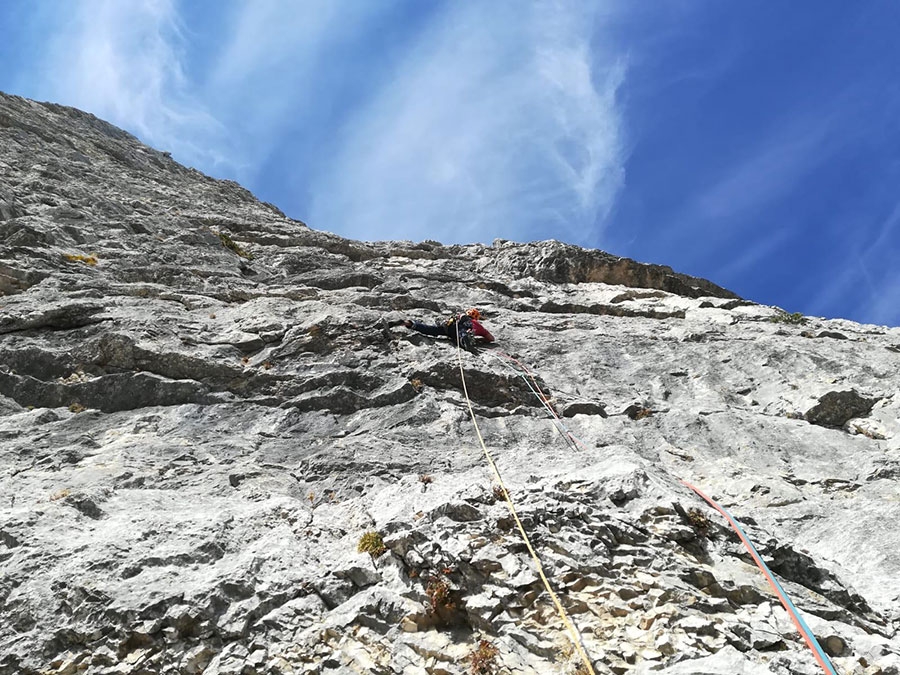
point(567, 264)
point(835, 408)
point(205, 406)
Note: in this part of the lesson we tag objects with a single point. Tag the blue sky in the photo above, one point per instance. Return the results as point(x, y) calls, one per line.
point(753, 144)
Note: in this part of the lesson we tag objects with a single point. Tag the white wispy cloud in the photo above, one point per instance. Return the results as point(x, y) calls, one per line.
point(501, 120)
point(280, 72)
point(270, 35)
point(753, 257)
point(883, 303)
point(873, 294)
point(861, 287)
point(761, 172)
point(866, 276)
point(723, 216)
point(887, 231)
point(769, 171)
point(123, 61)
point(488, 120)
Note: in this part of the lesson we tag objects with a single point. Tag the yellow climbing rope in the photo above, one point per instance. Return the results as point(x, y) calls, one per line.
point(804, 630)
point(576, 638)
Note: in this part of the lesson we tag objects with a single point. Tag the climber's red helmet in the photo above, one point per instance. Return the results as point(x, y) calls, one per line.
point(474, 314)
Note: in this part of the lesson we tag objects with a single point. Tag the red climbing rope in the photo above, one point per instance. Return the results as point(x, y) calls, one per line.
point(792, 611)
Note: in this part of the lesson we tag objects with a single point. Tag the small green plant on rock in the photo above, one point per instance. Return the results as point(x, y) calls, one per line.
point(371, 543)
point(232, 245)
point(794, 319)
point(483, 660)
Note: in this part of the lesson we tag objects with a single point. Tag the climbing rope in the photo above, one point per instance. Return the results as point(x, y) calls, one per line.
point(541, 396)
point(792, 610)
point(545, 402)
point(576, 638)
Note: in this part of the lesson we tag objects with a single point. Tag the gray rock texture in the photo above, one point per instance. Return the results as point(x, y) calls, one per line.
point(205, 405)
point(836, 408)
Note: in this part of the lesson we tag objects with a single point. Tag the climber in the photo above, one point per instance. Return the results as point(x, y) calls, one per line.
point(461, 328)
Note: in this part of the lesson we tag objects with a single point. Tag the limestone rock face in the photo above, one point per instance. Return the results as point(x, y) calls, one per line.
point(835, 408)
point(205, 405)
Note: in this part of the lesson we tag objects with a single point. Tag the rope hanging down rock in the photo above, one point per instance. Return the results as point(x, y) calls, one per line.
point(571, 438)
point(792, 610)
point(576, 638)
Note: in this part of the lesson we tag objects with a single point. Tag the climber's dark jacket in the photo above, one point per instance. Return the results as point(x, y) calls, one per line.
point(454, 329)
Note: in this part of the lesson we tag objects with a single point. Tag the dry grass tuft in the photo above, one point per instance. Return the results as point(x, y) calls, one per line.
point(232, 245)
point(483, 660)
point(90, 260)
point(372, 543)
point(698, 520)
point(438, 592)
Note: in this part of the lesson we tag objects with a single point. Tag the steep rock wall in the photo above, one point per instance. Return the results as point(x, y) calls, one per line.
point(204, 405)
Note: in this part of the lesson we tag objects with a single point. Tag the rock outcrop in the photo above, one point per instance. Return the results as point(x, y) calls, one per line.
point(836, 408)
point(205, 406)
